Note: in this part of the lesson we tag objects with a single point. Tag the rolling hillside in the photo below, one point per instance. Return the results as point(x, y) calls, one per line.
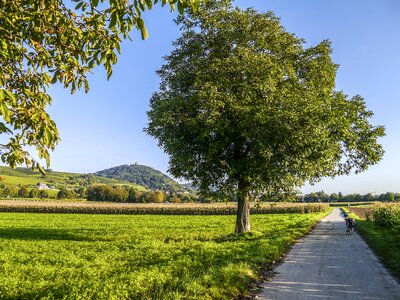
point(145, 176)
point(24, 176)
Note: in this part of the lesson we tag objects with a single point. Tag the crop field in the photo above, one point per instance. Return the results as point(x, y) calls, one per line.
point(82, 256)
point(92, 207)
point(363, 212)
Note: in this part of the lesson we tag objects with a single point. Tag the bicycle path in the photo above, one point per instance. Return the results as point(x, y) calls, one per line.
point(328, 264)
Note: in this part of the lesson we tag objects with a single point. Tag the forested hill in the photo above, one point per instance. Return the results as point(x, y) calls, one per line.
point(143, 175)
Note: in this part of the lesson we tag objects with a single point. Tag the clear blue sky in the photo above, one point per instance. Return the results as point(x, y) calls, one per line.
point(104, 128)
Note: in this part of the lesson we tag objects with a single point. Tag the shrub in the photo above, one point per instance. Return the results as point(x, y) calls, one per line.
point(23, 192)
point(387, 215)
point(43, 194)
point(103, 192)
point(33, 193)
point(66, 194)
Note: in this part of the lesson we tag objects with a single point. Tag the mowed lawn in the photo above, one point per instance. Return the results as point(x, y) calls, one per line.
point(61, 256)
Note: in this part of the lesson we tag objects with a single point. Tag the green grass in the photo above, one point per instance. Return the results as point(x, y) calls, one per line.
point(22, 180)
point(384, 242)
point(57, 256)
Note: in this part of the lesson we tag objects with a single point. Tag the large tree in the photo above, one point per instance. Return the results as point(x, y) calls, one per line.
point(244, 107)
point(44, 42)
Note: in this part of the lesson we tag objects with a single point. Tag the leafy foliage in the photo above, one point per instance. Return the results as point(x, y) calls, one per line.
point(44, 42)
point(102, 192)
point(245, 108)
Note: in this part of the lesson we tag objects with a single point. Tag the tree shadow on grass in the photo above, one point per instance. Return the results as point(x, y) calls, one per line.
point(28, 234)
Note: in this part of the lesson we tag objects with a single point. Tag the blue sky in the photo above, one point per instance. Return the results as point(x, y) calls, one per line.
point(104, 128)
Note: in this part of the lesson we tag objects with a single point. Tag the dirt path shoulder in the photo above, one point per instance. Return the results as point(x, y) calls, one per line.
point(328, 264)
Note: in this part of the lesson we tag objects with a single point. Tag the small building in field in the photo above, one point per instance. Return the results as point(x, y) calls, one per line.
point(42, 186)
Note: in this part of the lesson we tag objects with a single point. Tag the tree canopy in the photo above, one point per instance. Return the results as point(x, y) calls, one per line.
point(45, 42)
point(245, 108)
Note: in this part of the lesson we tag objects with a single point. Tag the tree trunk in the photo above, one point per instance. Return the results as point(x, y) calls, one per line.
point(243, 210)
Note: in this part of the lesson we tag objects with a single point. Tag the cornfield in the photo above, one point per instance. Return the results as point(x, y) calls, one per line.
point(387, 215)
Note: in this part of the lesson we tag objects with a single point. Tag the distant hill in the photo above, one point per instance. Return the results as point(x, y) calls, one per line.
point(25, 176)
point(145, 176)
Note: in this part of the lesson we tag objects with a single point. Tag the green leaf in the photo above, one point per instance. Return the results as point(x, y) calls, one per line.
point(113, 20)
point(4, 129)
point(49, 135)
point(5, 111)
point(79, 5)
point(180, 7)
point(47, 158)
point(144, 33)
point(41, 170)
point(11, 96)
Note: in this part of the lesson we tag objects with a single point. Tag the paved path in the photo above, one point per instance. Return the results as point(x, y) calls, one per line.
point(328, 264)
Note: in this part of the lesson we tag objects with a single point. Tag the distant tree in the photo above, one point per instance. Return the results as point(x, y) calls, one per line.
point(102, 192)
point(117, 194)
point(140, 197)
point(10, 191)
point(33, 193)
point(322, 196)
point(340, 196)
point(173, 198)
point(81, 192)
point(389, 196)
point(23, 192)
point(66, 194)
point(96, 192)
point(43, 194)
point(368, 197)
point(131, 195)
point(44, 42)
point(244, 107)
point(334, 197)
point(353, 197)
point(157, 196)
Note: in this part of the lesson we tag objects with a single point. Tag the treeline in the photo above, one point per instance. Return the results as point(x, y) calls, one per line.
point(99, 192)
point(102, 192)
point(323, 197)
point(33, 192)
point(23, 192)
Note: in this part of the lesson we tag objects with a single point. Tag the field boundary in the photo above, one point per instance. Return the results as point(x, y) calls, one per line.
point(156, 209)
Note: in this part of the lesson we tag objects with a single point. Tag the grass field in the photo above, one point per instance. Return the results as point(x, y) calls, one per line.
point(58, 256)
